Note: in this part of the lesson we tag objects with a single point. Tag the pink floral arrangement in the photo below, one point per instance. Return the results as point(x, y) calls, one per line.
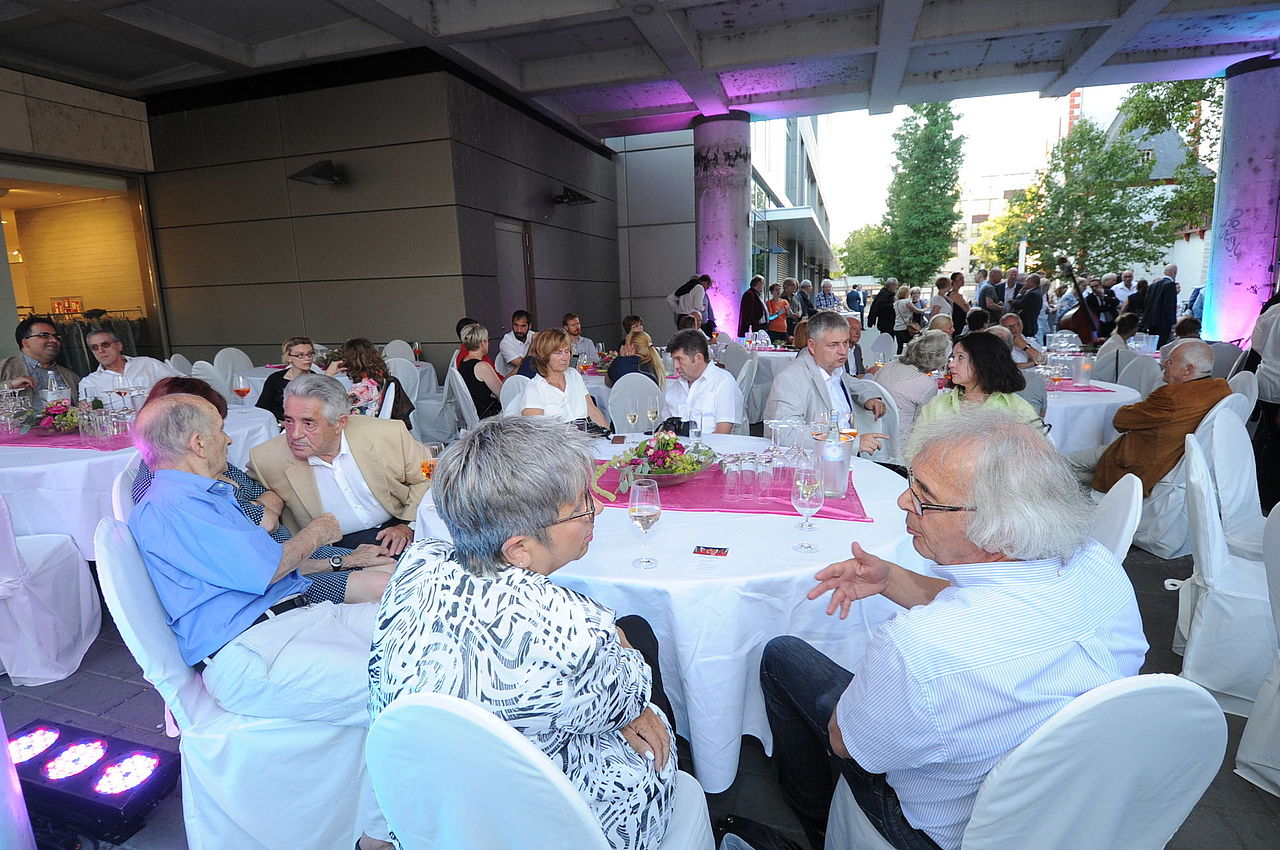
point(661, 454)
point(59, 415)
point(363, 397)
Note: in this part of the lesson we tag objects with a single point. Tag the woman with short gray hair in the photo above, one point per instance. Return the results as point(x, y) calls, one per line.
point(481, 620)
point(910, 380)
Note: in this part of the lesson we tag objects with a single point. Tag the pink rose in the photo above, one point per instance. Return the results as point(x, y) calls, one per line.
point(46, 422)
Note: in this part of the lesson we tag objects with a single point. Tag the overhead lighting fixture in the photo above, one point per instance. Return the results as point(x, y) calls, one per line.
point(321, 173)
point(571, 197)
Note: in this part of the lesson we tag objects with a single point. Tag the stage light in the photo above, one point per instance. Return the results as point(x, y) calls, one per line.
point(99, 785)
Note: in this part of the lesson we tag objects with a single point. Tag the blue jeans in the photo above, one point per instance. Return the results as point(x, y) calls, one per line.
point(801, 688)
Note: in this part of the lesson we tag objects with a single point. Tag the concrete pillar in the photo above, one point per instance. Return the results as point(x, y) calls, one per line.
point(1246, 208)
point(722, 209)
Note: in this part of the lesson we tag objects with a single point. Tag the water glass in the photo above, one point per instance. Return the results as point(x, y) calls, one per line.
point(747, 490)
point(732, 467)
point(644, 509)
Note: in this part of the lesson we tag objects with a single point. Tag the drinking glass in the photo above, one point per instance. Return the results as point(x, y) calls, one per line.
point(750, 467)
point(775, 427)
point(807, 499)
point(819, 425)
point(652, 411)
point(644, 509)
point(121, 389)
point(240, 386)
point(633, 412)
point(433, 454)
point(732, 466)
point(695, 429)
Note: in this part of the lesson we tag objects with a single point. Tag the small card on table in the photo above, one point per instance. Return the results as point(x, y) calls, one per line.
point(706, 560)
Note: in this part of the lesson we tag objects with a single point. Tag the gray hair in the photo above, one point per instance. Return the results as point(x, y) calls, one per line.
point(507, 477)
point(1050, 516)
point(100, 331)
point(928, 352)
point(474, 336)
point(891, 282)
point(322, 387)
point(806, 284)
point(163, 431)
point(1108, 279)
point(1196, 353)
point(827, 321)
point(1003, 333)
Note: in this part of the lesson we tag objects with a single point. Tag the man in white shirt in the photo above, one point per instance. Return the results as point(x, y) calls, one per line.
point(515, 344)
point(1026, 351)
point(579, 345)
point(704, 393)
point(816, 382)
point(1125, 287)
point(140, 373)
point(1026, 614)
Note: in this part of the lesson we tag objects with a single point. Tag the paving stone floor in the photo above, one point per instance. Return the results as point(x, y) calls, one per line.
point(109, 695)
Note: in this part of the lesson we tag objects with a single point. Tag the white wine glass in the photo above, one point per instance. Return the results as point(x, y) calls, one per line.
point(652, 412)
point(633, 412)
point(807, 499)
point(644, 510)
point(240, 386)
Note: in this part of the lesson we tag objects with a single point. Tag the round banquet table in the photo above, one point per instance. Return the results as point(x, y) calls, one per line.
point(712, 628)
point(768, 365)
point(599, 390)
point(1083, 420)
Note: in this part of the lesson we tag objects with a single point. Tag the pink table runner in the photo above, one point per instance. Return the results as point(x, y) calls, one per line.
point(1065, 387)
point(706, 493)
point(74, 440)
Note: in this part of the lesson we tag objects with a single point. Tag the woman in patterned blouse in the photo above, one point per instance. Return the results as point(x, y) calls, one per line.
point(480, 620)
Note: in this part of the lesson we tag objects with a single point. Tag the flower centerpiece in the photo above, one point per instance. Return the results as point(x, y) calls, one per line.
point(663, 458)
point(606, 360)
point(59, 415)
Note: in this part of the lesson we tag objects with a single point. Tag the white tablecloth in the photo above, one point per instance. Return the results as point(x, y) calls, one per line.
point(247, 426)
point(712, 629)
point(768, 365)
point(1083, 420)
point(258, 377)
point(599, 391)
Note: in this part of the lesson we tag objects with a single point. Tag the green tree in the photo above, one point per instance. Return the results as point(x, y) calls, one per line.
point(860, 251)
point(1000, 236)
point(922, 210)
point(1093, 203)
point(1193, 109)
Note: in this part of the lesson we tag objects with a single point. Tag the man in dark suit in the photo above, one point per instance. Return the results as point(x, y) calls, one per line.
point(1160, 310)
point(881, 312)
point(1028, 303)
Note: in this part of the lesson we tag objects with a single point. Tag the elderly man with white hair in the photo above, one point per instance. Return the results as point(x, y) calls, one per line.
point(1025, 614)
point(1153, 431)
point(827, 299)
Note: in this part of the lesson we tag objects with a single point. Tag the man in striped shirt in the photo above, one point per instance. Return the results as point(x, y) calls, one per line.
point(1026, 614)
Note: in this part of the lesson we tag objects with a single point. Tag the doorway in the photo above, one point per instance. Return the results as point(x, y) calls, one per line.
point(514, 261)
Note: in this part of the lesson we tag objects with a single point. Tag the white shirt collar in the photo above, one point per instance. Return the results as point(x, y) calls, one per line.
point(343, 451)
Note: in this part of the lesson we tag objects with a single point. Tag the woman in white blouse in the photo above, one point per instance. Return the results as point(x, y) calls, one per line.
point(558, 391)
point(481, 620)
point(908, 380)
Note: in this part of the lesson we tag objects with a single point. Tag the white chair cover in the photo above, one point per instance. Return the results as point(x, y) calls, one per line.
point(632, 389)
point(746, 378)
point(15, 825)
point(229, 361)
point(457, 389)
point(512, 396)
point(205, 371)
point(1224, 624)
point(1142, 374)
point(1239, 404)
point(886, 346)
point(866, 423)
point(49, 613)
point(435, 760)
point(1108, 368)
point(1117, 516)
point(1225, 356)
point(1258, 759)
point(406, 373)
point(122, 489)
point(428, 380)
point(1120, 767)
point(1235, 479)
point(388, 401)
point(1246, 384)
point(734, 357)
point(181, 363)
point(398, 348)
point(240, 775)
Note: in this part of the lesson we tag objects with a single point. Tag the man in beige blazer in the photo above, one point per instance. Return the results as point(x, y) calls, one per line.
point(367, 472)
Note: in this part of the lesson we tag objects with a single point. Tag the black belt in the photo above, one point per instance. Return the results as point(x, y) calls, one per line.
point(276, 610)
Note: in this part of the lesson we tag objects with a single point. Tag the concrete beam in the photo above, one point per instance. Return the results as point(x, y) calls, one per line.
point(898, 22)
point(1088, 50)
point(453, 18)
point(591, 70)
point(829, 35)
point(344, 38)
point(676, 44)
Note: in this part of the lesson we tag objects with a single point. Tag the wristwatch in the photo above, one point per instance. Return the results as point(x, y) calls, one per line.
point(335, 562)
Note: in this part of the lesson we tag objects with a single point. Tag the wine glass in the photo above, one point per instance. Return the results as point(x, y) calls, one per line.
point(240, 386)
point(819, 425)
point(807, 499)
point(633, 412)
point(120, 387)
point(695, 429)
point(652, 411)
point(644, 509)
point(433, 454)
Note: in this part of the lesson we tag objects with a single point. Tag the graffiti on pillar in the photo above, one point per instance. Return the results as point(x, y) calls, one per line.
point(1231, 231)
point(722, 165)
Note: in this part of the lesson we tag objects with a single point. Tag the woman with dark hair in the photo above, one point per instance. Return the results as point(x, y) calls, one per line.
point(982, 372)
point(362, 361)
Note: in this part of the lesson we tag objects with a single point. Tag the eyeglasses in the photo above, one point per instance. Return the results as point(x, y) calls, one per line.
point(921, 506)
point(589, 513)
point(304, 355)
point(43, 335)
point(102, 346)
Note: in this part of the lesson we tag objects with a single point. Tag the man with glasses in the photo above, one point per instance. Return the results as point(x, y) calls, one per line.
point(34, 370)
point(1022, 614)
point(139, 373)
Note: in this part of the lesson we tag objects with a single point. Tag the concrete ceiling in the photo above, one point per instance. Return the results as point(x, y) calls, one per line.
point(614, 67)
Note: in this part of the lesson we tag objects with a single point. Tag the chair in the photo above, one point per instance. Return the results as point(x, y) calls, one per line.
point(457, 389)
point(49, 613)
point(181, 363)
point(388, 401)
point(1258, 759)
point(428, 376)
point(734, 357)
point(1246, 384)
point(746, 378)
point(1142, 374)
point(1235, 480)
point(512, 395)
point(632, 390)
point(229, 361)
point(886, 346)
point(1117, 516)
point(406, 373)
point(239, 774)
point(1225, 631)
point(864, 420)
point(122, 489)
point(1119, 767)
point(436, 759)
point(15, 825)
point(1109, 367)
point(398, 348)
point(1225, 356)
point(205, 371)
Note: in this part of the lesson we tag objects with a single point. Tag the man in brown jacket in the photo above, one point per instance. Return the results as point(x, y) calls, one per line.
point(1152, 432)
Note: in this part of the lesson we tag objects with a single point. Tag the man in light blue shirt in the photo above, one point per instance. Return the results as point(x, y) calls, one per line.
point(1026, 614)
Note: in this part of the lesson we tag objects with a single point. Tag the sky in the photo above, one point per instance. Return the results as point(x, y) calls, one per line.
point(1003, 134)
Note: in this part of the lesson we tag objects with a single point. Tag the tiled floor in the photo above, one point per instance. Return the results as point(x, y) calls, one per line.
point(108, 695)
